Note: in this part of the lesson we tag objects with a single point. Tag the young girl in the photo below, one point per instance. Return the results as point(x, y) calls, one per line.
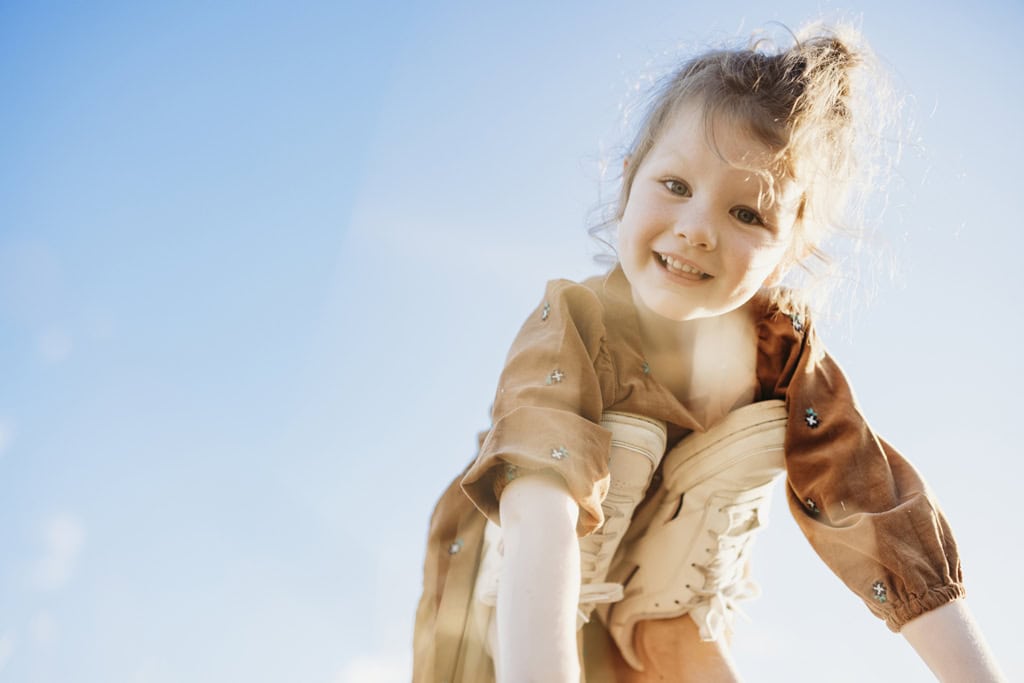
point(603, 531)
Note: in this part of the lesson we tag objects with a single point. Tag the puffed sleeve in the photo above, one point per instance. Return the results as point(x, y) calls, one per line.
point(548, 406)
point(865, 510)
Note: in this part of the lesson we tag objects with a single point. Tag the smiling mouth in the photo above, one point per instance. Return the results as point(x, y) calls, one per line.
point(679, 268)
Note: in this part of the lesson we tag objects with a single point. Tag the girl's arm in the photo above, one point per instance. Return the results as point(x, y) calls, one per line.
point(951, 644)
point(540, 582)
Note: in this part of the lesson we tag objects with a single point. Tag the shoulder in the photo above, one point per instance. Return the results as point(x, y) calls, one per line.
point(586, 305)
point(786, 338)
point(782, 317)
point(576, 297)
point(774, 304)
point(568, 319)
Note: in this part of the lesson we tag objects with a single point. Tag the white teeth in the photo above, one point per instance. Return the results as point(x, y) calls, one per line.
point(679, 265)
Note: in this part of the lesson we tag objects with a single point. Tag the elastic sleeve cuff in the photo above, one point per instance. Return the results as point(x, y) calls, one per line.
point(915, 606)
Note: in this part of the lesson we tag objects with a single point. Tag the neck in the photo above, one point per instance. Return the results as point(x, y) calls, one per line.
point(709, 364)
point(660, 334)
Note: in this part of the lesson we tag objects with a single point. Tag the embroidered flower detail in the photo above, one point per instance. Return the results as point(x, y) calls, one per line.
point(646, 368)
point(455, 547)
point(511, 472)
point(556, 376)
point(881, 594)
point(811, 418)
point(798, 323)
point(560, 453)
point(812, 507)
point(546, 311)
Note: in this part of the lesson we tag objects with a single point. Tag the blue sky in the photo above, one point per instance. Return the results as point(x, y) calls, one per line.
point(260, 264)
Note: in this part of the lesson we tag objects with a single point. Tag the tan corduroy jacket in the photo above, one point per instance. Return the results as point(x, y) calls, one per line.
point(864, 509)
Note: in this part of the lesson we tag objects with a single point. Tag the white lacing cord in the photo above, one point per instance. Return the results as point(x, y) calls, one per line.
point(594, 594)
point(724, 587)
point(595, 555)
point(721, 605)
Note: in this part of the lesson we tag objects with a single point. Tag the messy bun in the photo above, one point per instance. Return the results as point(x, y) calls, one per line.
point(819, 105)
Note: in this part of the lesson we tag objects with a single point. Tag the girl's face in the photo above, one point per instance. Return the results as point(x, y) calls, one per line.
point(696, 238)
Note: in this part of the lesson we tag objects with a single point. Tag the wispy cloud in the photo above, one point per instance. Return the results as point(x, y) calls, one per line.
point(42, 629)
point(63, 540)
point(54, 345)
point(376, 669)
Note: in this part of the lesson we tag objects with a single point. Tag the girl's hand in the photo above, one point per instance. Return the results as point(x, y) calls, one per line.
point(540, 582)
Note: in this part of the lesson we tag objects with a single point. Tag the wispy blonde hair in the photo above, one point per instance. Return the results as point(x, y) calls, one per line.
point(822, 106)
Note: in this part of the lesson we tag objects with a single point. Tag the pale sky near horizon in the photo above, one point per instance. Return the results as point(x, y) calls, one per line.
point(260, 265)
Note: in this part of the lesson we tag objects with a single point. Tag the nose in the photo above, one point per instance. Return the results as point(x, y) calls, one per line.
point(697, 228)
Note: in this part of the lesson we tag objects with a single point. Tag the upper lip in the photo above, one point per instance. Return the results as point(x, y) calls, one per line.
point(682, 260)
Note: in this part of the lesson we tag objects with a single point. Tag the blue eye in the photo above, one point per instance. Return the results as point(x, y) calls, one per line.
point(747, 216)
point(677, 187)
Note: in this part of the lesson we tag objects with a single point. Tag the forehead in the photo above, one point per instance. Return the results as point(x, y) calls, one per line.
point(691, 130)
point(693, 135)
